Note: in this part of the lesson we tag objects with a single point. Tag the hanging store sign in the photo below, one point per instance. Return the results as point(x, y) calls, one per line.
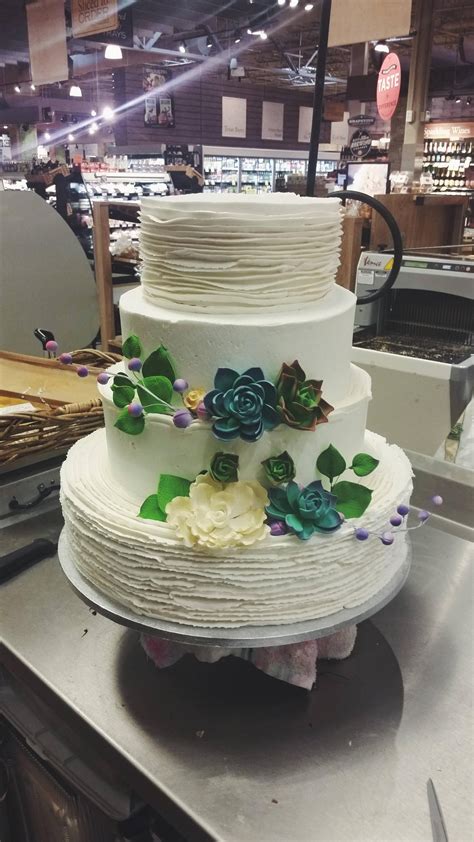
point(360, 144)
point(361, 120)
point(159, 108)
point(389, 84)
point(122, 35)
point(272, 120)
point(234, 116)
point(449, 131)
point(91, 16)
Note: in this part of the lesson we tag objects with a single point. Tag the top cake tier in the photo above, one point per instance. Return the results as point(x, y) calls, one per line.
point(236, 253)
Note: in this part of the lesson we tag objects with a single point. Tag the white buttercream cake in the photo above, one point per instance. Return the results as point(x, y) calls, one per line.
point(235, 483)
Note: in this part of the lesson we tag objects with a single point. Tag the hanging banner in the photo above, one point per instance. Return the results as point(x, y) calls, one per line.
point(368, 20)
point(389, 83)
point(91, 16)
point(122, 35)
point(304, 124)
point(47, 41)
point(159, 108)
point(272, 120)
point(234, 116)
point(360, 144)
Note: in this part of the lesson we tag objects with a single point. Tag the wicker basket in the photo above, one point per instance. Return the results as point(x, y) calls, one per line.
point(54, 429)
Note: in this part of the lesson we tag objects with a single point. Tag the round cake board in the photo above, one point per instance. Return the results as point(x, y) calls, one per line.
point(398, 557)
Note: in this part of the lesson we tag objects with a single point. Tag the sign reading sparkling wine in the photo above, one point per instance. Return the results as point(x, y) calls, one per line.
point(388, 86)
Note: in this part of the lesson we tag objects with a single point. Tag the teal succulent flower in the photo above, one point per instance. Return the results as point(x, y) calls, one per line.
point(304, 510)
point(242, 404)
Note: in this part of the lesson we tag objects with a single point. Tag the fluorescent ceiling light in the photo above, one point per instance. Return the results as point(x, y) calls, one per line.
point(75, 91)
point(113, 51)
point(382, 47)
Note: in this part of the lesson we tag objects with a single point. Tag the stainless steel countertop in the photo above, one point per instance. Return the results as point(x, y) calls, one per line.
point(348, 761)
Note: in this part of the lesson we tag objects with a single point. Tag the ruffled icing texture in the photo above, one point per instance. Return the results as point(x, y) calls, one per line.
point(231, 254)
point(143, 565)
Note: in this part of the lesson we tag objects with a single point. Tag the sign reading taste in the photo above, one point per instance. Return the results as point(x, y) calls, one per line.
point(91, 16)
point(388, 86)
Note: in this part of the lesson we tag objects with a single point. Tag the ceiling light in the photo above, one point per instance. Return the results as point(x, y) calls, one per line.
point(70, 137)
point(93, 113)
point(33, 87)
point(93, 128)
point(113, 51)
point(5, 127)
point(309, 7)
point(237, 39)
point(47, 136)
point(294, 3)
point(108, 113)
point(75, 91)
point(458, 100)
point(263, 35)
point(281, 2)
point(381, 47)
point(182, 47)
point(249, 32)
point(17, 89)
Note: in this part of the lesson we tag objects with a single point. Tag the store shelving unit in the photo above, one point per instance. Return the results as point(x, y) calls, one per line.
point(222, 174)
point(257, 175)
point(447, 161)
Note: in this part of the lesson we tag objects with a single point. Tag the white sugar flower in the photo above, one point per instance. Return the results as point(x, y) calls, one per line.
point(218, 516)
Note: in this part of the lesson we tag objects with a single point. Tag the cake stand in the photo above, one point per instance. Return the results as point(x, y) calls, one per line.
point(399, 558)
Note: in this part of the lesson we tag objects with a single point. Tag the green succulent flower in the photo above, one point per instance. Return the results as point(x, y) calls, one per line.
point(304, 510)
point(279, 468)
point(224, 467)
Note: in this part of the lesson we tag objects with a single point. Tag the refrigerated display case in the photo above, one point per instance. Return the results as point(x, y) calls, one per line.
point(221, 174)
point(257, 175)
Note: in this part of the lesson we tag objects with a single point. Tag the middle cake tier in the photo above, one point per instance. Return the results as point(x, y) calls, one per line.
point(318, 336)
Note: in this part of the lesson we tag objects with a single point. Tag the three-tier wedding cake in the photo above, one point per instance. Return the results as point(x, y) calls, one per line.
point(235, 483)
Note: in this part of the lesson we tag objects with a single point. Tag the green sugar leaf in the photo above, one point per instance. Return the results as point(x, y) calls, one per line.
point(352, 499)
point(122, 395)
point(159, 363)
point(330, 463)
point(122, 380)
point(150, 510)
point(132, 347)
point(363, 464)
point(161, 389)
point(129, 424)
point(170, 487)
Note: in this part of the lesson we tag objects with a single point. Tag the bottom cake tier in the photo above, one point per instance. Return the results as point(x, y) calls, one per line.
point(143, 564)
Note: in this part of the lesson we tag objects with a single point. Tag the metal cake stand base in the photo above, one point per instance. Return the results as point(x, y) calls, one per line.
point(245, 636)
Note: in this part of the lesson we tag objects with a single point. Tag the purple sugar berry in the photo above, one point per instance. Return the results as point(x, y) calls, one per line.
point(387, 538)
point(66, 359)
point(82, 371)
point(180, 385)
point(437, 500)
point(134, 364)
point(103, 378)
point(202, 413)
point(361, 534)
point(423, 516)
point(182, 418)
point(135, 409)
point(403, 510)
point(396, 520)
point(51, 345)
point(278, 527)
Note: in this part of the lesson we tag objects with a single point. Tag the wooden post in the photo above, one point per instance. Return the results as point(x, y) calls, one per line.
point(103, 272)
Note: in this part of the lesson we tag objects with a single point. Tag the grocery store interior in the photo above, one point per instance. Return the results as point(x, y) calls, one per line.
point(104, 103)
